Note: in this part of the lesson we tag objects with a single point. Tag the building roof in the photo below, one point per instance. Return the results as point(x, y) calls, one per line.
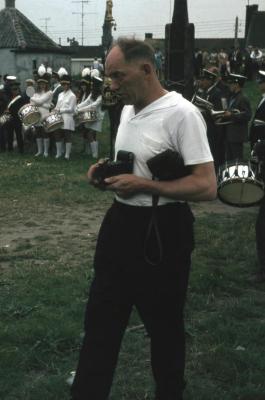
point(18, 32)
point(85, 51)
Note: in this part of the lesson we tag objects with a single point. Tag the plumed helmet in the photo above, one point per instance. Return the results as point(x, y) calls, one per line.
point(95, 73)
point(64, 76)
point(49, 71)
point(61, 72)
point(86, 76)
point(43, 76)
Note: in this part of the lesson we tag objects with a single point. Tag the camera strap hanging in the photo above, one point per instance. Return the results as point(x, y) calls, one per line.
point(153, 227)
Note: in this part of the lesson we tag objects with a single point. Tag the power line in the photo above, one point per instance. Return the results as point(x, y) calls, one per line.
point(46, 24)
point(83, 2)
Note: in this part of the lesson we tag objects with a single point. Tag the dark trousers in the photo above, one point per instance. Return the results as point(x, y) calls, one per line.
point(234, 151)
point(260, 235)
point(15, 125)
point(2, 138)
point(123, 279)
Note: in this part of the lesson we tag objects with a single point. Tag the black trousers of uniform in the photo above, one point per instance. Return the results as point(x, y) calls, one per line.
point(2, 138)
point(260, 235)
point(15, 125)
point(234, 151)
point(123, 279)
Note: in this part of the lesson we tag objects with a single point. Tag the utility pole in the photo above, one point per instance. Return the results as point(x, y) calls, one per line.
point(46, 24)
point(236, 33)
point(83, 2)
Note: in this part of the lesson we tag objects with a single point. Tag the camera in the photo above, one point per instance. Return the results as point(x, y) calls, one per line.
point(167, 166)
point(123, 165)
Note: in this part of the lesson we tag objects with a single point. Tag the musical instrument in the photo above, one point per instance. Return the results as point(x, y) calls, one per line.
point(4, 118)
point(240, 184)
point(29, 114)
point(224, 121)
point(53, 121)
point(30, 91)
point(206, 106)
point(84, 117)
point(109, 97)
point(258, 123)
point(202, 104)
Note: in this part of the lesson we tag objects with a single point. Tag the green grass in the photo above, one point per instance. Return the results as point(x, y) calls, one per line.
point(49, 220)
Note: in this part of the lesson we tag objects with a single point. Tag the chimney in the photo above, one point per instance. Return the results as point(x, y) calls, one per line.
point(10, 3)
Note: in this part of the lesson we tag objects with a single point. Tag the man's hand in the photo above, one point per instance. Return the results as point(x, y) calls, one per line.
point(227, 115)
point(126, 185)
point(91, 172)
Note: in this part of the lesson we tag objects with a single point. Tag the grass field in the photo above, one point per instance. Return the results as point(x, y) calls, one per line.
point(49, 219)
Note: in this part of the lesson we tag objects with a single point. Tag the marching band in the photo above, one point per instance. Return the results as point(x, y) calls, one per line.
point(54, 107)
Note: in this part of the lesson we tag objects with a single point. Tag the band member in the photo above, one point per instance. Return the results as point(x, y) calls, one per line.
point(43, 100)
point(85, 87)
point(56, 84)
point(114, 105)
point(15, 124)
point(209, 92)
point(66, 105)
point(238, 115)
point(93, 103)
point(258, 133)
point(3, 106)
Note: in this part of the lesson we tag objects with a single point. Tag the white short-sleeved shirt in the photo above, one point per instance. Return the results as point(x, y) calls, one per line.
point(170, 122)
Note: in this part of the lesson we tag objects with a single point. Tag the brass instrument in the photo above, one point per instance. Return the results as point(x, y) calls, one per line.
point(206, 106)
point(224, 121)
point(202, 104)
point(258, 123)
point(4, 118)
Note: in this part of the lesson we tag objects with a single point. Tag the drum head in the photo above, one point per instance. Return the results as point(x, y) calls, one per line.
point(241, 193)
point(31, 119)
point(239, 185)
point(54, 126)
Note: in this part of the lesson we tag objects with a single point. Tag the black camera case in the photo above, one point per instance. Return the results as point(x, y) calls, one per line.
point(167, 166)
point(123, 165)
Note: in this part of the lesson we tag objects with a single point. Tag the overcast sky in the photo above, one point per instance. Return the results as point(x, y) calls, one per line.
point(62, 18)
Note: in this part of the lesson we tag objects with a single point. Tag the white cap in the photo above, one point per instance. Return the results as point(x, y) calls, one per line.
point(11, 78)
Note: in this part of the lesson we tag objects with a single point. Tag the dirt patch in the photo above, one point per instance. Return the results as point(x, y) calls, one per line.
point(52, 225)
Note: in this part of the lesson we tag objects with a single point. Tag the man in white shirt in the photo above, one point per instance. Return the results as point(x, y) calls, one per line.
point(146, 239)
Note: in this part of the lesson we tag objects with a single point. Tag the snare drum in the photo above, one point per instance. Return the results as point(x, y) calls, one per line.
point(239, 184)
point(29, 114)
point(84, 117)
point(53, 122)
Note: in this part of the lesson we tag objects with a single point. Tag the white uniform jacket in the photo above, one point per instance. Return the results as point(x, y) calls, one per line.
point(66, 105)
point(89, 104)
point(43, 100)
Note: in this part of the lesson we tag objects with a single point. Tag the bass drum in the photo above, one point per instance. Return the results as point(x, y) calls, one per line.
point(29, 114)
point(239, 184)
point(53, 122)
